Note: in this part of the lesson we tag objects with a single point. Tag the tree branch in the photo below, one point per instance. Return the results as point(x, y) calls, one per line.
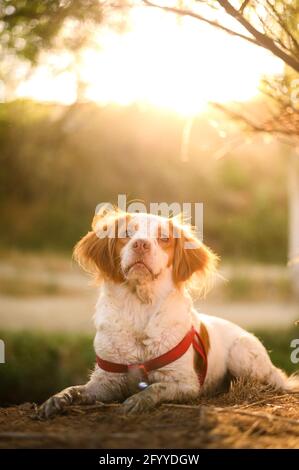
point(258, 38)
point(283, 25)
point(192, 14)
point(243, 6)
point(281, 123)
point(262, 39)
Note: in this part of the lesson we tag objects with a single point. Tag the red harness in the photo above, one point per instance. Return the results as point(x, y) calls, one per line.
point(192, 337)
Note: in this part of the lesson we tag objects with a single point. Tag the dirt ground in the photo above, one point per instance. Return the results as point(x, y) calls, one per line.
point(247, 416)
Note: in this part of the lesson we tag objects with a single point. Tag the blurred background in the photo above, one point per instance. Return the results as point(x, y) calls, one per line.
point(189, 101)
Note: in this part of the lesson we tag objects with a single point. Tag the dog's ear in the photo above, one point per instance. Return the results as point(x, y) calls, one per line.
point(97, 252)
point(192, 257)
point(106, 216)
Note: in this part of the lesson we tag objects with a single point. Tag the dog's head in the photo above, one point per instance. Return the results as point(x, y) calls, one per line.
point(141, 249)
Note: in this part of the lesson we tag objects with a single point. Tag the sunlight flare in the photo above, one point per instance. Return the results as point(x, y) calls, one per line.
point(162, 61)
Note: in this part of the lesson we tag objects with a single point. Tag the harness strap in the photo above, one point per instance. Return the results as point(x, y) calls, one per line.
point(200, 349)
point(192, 337)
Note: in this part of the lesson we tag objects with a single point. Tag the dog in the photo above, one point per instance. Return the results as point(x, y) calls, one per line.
point(151, 345)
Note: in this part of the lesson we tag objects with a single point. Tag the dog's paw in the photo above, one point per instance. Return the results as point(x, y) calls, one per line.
point(138, 403)
point(54, 406)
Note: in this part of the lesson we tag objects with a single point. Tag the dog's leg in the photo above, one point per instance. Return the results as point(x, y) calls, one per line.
point(248, 358)
point(158, 393)
point(102, 387)
point(69, 396)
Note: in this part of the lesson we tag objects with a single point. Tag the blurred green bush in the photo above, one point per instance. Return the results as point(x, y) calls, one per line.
point(38, 365)
point(57, 163)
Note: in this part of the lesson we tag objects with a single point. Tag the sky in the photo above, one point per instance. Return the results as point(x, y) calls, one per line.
point(162, 61)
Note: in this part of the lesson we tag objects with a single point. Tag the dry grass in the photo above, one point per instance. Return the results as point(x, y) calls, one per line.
point(247, 416)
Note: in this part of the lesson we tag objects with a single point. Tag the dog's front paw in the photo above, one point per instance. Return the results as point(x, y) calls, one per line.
point(54, 405)
point(138, 403)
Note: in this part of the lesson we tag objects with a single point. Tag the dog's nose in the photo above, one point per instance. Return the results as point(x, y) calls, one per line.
point(141, 245)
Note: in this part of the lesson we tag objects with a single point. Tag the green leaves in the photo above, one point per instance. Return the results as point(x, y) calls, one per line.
point(29, 26)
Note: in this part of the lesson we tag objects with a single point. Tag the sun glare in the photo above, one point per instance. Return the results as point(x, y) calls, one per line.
point(161, 61)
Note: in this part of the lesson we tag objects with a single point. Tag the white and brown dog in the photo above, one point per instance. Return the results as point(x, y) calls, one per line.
point(151, 345)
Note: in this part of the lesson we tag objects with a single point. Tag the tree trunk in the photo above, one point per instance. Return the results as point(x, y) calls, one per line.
point(294, 219)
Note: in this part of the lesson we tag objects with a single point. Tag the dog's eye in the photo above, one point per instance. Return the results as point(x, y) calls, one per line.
point(164, 238)
point(129, 233)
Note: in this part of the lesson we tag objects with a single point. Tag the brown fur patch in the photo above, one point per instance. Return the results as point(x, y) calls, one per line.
point(187, 261)
point(204, 335)
point(199, 365)
point(101, 255)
